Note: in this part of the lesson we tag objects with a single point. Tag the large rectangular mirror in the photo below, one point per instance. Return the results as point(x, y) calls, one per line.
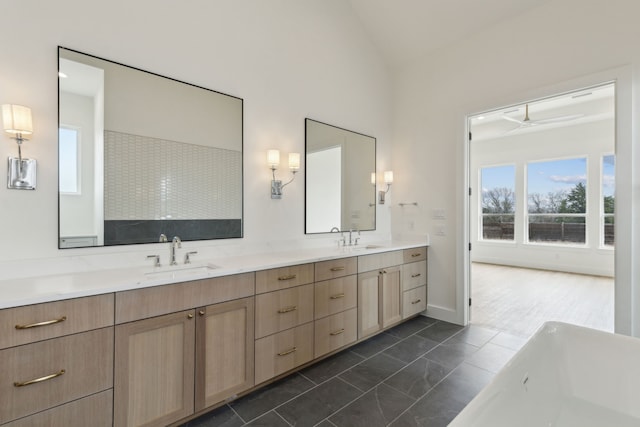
point(339, 191)
point(142, 155)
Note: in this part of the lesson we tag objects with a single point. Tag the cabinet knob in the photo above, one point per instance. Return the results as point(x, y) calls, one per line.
point(201, 312)
point(189, 316)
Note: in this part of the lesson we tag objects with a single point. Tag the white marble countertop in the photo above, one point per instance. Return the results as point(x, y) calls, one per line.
point(39, 289)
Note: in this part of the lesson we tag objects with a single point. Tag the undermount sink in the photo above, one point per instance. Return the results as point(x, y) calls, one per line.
point(365, 248)
point(180, 272)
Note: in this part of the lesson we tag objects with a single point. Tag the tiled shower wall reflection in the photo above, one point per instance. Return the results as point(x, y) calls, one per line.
point(149, 178)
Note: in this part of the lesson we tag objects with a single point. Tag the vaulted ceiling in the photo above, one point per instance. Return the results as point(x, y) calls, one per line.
point(407, 30)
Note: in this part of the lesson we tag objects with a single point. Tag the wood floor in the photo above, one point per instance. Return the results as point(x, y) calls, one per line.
point(520, 300)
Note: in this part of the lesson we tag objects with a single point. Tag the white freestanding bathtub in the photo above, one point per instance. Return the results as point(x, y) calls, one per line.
point(565, 376)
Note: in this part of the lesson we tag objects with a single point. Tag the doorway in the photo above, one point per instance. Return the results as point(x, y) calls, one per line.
point(542, 212)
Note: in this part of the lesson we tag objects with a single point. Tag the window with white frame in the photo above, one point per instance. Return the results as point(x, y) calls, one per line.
point(69, 160)
point(557, 201)
point(498, 202)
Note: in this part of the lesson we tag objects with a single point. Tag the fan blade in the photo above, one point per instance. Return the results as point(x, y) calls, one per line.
point(557, 119)
point(511, 119)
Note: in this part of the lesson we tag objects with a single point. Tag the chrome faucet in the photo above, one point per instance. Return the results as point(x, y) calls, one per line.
point(175, 243)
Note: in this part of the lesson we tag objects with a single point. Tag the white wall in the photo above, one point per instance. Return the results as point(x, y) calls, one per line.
point(586, 140)
point(561, 45)
point(288, 59)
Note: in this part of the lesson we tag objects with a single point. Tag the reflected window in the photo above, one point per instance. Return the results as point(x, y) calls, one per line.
point(498, 202)
point(608, 199)
point(69, 174)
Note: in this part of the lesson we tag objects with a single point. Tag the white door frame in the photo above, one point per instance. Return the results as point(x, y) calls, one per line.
point(627, 302)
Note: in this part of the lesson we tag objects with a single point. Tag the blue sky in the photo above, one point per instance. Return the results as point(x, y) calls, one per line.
point(549, 176)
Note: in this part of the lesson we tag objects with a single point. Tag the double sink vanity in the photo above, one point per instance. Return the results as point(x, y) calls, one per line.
point(134, 347)
point(158, 345)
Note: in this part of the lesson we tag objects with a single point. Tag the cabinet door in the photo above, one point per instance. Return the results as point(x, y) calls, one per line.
point(224, 351)
point(154, 370)
point(369, 316)
point(391, 296)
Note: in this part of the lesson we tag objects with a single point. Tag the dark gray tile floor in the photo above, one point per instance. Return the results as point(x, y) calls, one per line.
point(420, 373)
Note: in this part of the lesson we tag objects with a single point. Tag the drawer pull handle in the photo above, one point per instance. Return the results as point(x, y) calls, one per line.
point(39, 380)
point(284, 353)
point(337, 268)
point(338, 332)
point(288, 309)
point(337, 296)
point(416, 275)
point(289, 277)
point(417, 254)
point(416, 301)
point(48, 322)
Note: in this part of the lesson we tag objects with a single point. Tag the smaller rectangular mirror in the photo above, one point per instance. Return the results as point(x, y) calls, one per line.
point(339, 191)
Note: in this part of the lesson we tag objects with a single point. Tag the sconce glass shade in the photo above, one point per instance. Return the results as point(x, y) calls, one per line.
point(16, 119)
point(388, 177)
point(373, 178)
point(294, 161)
point(273, 158)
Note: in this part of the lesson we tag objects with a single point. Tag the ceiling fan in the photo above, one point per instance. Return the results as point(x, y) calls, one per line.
point(527, 122)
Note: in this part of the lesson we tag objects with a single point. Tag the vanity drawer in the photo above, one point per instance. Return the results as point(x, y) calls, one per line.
point(284, 351)
point(414, 274)
point(335, 331)
point(277, 311)
point(381, 260)
point(331, 269)
point(158, 300)
point(415, 254)
point(95, 411)
point(414, 301)
point(38, 376)
point(31, 323)
point(334, 296)
point(282, 278)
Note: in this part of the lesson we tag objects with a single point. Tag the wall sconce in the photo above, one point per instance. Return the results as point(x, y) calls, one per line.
point(388, 179)
point(273, 159)
point(21, 173)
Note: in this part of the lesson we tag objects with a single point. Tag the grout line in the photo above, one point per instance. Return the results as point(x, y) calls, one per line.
point(236, 412)
point(278, 414)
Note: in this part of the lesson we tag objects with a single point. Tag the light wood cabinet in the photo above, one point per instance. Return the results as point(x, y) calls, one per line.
point(143, 303)
point(379, 292)
point(224, 351)
point(369, 316)
point(23, 325)
point(181, 348)
point(280, 310)
point(281, 352)
point(336, 331)
point(336, 295)
point(154, 370)
point(414, 301)
point(95, 411)
point(414, 274)
point(414, 282)
point(45, 374)
point(283, 278)
point(331, 269)
point(391, 300)
point(175, 363)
